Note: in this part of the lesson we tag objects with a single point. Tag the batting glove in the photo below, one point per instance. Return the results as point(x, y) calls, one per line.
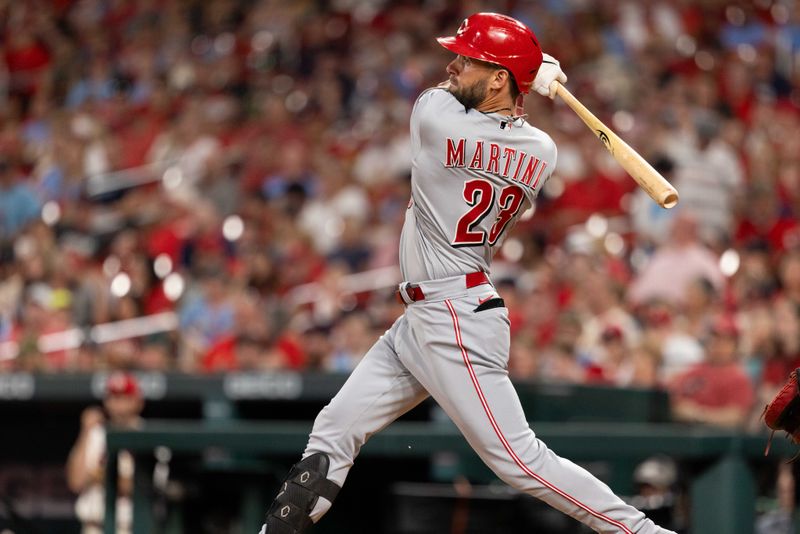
point(549, 73)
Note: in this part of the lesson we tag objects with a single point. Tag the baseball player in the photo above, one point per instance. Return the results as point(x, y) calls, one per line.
point(477, 165)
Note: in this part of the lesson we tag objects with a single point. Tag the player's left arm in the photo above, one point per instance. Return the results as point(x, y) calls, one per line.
point(549, 73)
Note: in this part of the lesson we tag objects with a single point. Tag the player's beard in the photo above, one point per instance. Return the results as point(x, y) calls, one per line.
point(471, 96)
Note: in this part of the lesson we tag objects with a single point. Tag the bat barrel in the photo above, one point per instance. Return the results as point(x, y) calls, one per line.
point(634, 164)
point(668, 199)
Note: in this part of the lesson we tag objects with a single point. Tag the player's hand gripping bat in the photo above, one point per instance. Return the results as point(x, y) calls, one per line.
point(645, 175)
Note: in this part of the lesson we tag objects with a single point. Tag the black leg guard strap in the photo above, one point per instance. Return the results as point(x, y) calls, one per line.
point(306, 483)
point(312, 474)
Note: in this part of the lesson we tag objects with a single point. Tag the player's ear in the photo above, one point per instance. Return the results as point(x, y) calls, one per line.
point(499, 78)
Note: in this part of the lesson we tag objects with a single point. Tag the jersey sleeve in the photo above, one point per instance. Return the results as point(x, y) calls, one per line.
point(549, 152)
point(424, 110)
point(424, 100)
point(554, 159)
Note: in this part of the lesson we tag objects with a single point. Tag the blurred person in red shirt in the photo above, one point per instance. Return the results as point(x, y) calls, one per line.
point(767, 220)
point(585, 185)
point(247, 353)
point(26, 56)
point(716, 391)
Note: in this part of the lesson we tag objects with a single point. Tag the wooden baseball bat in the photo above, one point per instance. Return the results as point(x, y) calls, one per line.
point(645, 175)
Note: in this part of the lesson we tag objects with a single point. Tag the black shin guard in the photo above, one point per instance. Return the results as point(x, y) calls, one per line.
point(306, 483)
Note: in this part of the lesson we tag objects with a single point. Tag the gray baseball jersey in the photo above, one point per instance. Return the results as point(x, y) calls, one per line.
point(472, 176)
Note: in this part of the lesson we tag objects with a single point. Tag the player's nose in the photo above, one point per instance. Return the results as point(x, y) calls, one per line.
point(452, 67)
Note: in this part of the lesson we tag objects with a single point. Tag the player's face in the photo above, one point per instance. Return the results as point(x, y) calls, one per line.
point(469, 80)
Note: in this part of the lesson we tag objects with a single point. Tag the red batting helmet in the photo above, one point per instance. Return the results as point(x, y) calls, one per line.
point(501, 40)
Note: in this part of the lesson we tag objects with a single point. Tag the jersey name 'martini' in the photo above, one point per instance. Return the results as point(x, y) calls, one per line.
point(527, 168)
point(472, 175)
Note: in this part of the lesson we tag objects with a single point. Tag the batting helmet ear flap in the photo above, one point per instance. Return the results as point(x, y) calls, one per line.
point(501, 40)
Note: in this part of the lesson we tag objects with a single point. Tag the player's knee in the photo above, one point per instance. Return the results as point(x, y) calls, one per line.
point(290, 512)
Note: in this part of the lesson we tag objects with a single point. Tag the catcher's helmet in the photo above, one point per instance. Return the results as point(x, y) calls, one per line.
point(501, 40)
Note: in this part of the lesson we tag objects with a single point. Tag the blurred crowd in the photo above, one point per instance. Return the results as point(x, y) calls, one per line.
point(222, 184)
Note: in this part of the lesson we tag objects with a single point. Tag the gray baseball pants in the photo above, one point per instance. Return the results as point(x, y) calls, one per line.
point(444, 348)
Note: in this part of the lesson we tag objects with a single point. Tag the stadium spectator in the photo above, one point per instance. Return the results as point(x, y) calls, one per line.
point(122, 407)
point(615, 364)
point(604, 313)
point(266, 142)
point(716, 391)
point(18, 203)
point(559, 361)
point(207, 315)
point(676, 265)
point(650, 222)
point(711, 181)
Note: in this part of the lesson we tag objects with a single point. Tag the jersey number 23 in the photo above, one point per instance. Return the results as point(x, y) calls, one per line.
point(480, 195)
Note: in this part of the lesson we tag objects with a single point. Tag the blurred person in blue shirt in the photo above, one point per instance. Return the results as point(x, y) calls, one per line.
point(18, 203)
